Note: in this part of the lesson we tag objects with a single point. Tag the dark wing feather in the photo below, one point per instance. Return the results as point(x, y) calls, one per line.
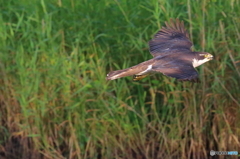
point(173, 36)
point(186, 73)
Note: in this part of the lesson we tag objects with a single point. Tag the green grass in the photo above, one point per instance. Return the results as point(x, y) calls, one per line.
point(56, 103)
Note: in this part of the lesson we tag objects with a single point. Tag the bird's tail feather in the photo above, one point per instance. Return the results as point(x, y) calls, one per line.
point(134, 70)
point(121, 73)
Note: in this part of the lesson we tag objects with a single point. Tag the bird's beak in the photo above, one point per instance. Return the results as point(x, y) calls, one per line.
point(210, 57)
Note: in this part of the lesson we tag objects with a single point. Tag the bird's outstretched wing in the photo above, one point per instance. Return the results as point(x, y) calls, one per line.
point(180, 72)
point(173, 36)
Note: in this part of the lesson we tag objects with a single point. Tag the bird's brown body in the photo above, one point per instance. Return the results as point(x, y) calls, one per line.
point(172, 56)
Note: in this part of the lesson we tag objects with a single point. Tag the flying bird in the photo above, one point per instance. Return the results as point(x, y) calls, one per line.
point(172, 56)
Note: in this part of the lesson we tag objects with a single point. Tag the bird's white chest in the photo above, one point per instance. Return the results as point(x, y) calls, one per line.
point(197, 63)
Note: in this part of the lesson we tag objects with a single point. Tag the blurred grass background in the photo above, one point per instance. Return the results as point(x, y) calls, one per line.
point(55, 102)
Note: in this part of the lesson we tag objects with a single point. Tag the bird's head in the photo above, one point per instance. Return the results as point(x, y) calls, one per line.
point(201, 58)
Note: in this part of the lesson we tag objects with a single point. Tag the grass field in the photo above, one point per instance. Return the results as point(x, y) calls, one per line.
point(55, 102)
